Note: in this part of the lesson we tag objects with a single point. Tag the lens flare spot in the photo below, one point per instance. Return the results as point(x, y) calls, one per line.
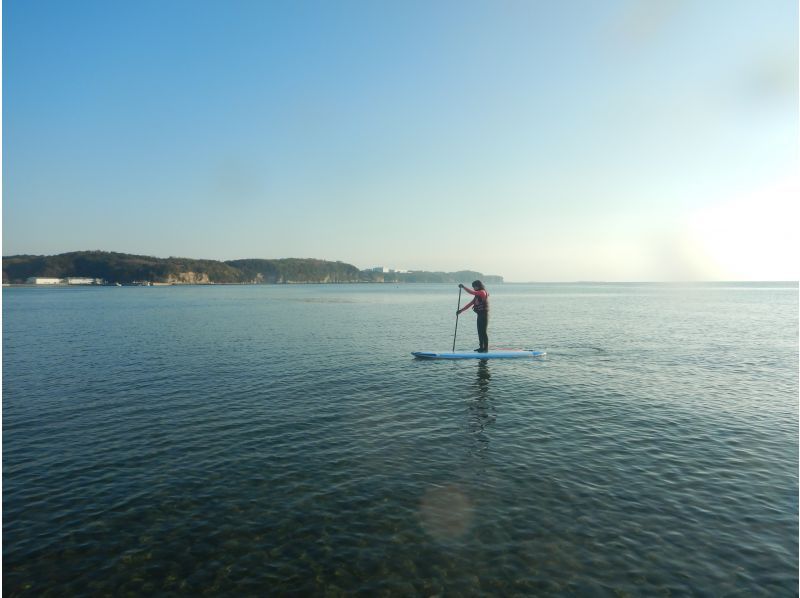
point(445, 513)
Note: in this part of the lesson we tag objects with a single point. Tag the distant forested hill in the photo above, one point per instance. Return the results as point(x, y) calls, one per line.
point(464, 276)
point(126, 268)
point(117, 267)
point(295, 270)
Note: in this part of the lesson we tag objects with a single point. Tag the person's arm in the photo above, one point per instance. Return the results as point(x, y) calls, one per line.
point(469, 290)
point(480, 293)
point(466, 307)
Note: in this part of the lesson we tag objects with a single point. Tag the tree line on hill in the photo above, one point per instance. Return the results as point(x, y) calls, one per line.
point(125, 268)
point(465, 276)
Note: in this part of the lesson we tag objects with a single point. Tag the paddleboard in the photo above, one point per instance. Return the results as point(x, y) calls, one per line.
point(507, 354)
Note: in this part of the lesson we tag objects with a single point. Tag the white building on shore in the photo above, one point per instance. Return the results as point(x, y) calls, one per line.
point(41, 280)
point(74, 280)
point(386, 270)
point(79, 280)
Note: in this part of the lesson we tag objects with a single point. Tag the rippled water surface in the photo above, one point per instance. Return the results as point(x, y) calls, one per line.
point(260, 440)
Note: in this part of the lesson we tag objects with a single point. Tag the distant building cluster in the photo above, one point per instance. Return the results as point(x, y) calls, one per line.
point(68, 280)
point(385, 270)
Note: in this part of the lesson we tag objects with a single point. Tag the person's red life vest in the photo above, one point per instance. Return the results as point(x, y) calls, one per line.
point(481, 301)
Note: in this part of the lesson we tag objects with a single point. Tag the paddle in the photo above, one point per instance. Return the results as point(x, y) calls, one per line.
point(459, 307)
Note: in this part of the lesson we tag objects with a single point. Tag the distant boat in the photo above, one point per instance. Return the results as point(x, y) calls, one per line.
point(118, 284)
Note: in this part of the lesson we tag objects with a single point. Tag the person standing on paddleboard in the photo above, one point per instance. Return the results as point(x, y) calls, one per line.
point(480, 305)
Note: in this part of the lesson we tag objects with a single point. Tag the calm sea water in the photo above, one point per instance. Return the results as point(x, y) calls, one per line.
point(252, 440)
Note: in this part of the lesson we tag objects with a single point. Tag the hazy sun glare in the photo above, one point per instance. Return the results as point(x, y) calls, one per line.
point(752, 237)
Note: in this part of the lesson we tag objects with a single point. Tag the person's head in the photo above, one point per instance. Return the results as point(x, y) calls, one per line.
point(478, 285)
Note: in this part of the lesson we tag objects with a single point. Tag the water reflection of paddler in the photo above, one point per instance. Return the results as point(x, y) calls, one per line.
point(484, 375)
point(481, 411)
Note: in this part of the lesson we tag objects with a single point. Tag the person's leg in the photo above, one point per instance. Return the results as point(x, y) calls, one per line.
point(483, 336)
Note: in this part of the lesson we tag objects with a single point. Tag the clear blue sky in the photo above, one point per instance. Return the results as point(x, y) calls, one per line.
point(578, 140)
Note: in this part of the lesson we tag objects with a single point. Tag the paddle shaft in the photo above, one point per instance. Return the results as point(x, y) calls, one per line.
point(459, 307)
